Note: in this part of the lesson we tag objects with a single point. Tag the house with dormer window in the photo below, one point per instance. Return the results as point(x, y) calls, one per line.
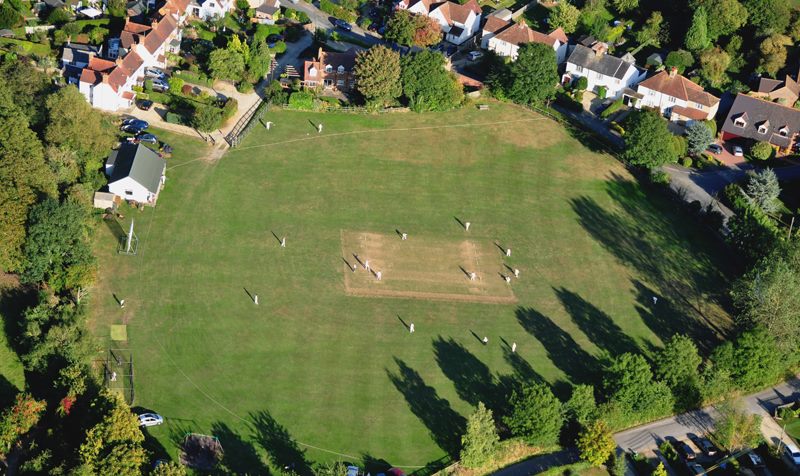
point(330, 70)
point(762, 121)
point(602, 70)
point(459, 22)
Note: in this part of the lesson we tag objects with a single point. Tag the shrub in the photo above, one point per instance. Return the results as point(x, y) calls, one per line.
point(602, 91)
point(568, 102)
point(301, 100)
point(173, 118)
point(761, 150)
point(614, 126)
point(659, 177)
point(192, 77)
point(686, 162)
point(582, 83)
point(338, 11)
point(612, 108)
point(244, 87)
point(280, 47)
point(229, 109)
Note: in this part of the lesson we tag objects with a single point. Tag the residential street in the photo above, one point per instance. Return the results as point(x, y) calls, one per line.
point(645, 438)
point(322, 20)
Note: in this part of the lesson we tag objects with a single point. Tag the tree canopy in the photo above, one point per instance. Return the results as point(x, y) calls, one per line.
point(768, 16)
point(697, 36)
point(596, 443)
point(565, 16)
point(536, 415)
point(698, 137)
point(723, 16)
point(534, 74)
point(226, 63)
point(114, 445)
point(648, 141)
point(629, 382)
point(427, 84)
point(480, 441)
point(773, 53)
point(377, 72)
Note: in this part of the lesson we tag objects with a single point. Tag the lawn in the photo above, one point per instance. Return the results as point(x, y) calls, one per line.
point(12, 299)
point(337, 369)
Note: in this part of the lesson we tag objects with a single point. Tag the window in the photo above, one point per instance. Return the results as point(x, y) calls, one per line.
point(739, 122)
point(328, 68)
point(784, 131)
point(328, 83)
point(579, 69)
point(670, 99)
point(762, 129)
point(617, 81)
point(650, 92)
point(340, 83)
point(699, 106)
point(129, 192)
point(598, 75)
point(340, 69)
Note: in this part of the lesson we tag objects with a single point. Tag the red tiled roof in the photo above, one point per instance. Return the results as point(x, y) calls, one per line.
point(454, 12)
point(90, 76)
point(494, 24)
point(100, 65)
point(161, 31)
point(679, 87)
point(690, 112)
point(128, 95)
point(559, 35)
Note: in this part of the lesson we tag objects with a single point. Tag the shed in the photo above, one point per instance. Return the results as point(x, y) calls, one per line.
point(105, 200)
point(135, 173)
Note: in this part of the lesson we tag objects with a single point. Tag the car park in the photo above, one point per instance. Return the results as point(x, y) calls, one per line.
point(343, 25)
point(148, 138)
point(150, 419)
point(737, 151)
point(715, 148)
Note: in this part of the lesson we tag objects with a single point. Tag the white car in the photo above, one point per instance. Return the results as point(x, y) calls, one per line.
point(475, 55)
point(150, 419)
point(737, 151)
point(792, 453)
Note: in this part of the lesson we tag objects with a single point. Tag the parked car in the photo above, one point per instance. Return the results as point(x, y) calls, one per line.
point(160, 86)
point(755, 460)
point(131, 129)
point(708, 448)
point(148, 138)
point(792, 453)
point(139, 123)
point(352, 471)
point(343, 25)
point(150, 419)
point(154, 72)
point(686, 450)
point(475, 55)
point(715, 148)
point(737, 151)
point(695, 468)
point(144, 104)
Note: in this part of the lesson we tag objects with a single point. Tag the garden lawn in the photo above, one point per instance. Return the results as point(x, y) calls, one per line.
point(340, 373)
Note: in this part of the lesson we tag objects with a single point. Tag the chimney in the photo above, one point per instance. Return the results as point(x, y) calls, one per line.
point(673, 72)
point(599, 48)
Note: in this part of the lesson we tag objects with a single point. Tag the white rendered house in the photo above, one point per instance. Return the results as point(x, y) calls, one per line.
point(677, 97)
point(601, 70)
point(135, 173)
point(209, 9)
point(459, 22)
point(506, 39)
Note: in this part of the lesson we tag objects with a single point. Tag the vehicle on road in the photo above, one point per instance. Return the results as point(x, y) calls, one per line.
point(754, 460)
point(150, 419)
point(792, 453)
point(737, 151)
point(715, 148)
point(475, 55)
point(144, 104)
point(148, 138)
point(343, 25)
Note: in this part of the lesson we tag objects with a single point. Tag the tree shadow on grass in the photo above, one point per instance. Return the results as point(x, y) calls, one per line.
point(7, 392)
point(649, 235)
point(579, 365)
point(282, 449)
point(240, 456)
point(473, 380)
point(598, 326)
point(444, 424)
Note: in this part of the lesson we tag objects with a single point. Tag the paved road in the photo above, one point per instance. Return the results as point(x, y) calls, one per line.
point(645, 438)
point(541, 463)
point(322, 21)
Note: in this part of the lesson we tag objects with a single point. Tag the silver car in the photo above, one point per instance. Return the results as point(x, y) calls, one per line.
point(150, 419)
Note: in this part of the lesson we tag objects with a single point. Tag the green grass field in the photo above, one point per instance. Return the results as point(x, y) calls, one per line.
point(338, 371)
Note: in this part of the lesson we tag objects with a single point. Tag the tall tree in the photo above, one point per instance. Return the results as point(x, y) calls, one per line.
point(737, 428)
point(595, 443)
point(773, 53)
point(534, 73)
point(258, 64)
point(536, 415)
point(73, 125)
point(377, 72)
point(678, 365)
point(768, 16)
point(17, 420)
point(29, 86)
point(226, 63)
point(24, 176)
point(57, 240)
point(629, 382)
point(769, 296)
point(427, 84)
point(648, 142)
point(653, 31)
point(724, 16)
point(480, 441)
point(698, 137)
point(752, 361)
point(565, 16)
point(763, 190)
point(680, 59)
point(697, 36)
point(401, 28)
point(114, 445)
point(581, 406)
point(623, 6)
point(713, 64)
point(427, 31)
